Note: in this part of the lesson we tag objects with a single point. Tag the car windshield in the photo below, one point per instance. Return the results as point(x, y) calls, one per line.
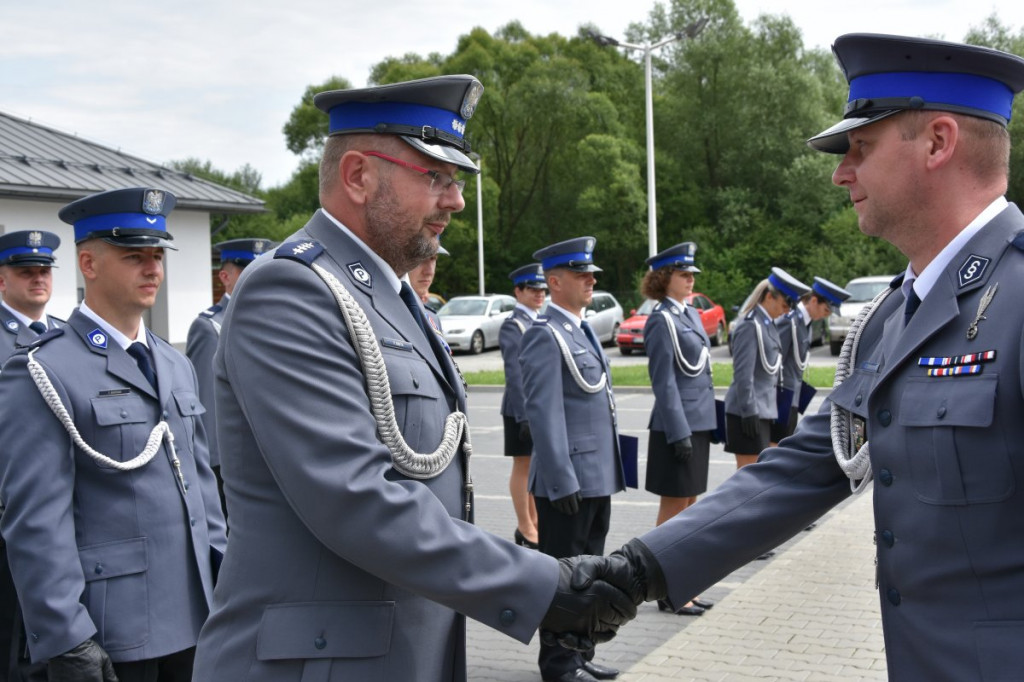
point(865, 291)
point(646, 307)
point(464, 306)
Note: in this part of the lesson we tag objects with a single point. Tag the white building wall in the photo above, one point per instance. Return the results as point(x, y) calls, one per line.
point(187, 286)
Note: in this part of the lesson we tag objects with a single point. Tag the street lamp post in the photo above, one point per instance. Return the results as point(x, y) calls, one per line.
point(690, 31)
point(479, 219)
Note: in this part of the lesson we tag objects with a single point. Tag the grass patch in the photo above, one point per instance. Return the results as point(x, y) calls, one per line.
point(636, 375)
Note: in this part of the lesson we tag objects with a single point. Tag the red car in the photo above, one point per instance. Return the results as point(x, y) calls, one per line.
point(631, 332)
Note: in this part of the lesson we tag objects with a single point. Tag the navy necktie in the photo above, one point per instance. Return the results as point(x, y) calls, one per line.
point(911, 306)
point(589, 332)
point(38, 327)
point(437, 344)
point(413, 303)
point(140, 352)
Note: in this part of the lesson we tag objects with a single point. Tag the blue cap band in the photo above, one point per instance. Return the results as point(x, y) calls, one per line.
point(958, 89)
point(367, 115)
point(782, 287)
point(824, 293)
point(125, 221)
point(237, 255)
point(528, 278)
point(669, 261)
point(14, 251)
point(565, 258)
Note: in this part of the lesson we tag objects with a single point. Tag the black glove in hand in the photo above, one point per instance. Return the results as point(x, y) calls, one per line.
point(524, 431)
point(583, 615)
point(683, 449)
point(751, 426)
point(87, 662)
point(568, 505)
point(632, 569)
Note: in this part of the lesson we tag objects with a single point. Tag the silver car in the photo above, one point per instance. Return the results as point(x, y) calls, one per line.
point(862, 290)
point(472, 323)
point(604, 315)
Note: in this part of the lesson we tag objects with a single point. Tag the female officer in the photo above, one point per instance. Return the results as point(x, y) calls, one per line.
point(684, 399)
point(750, 405)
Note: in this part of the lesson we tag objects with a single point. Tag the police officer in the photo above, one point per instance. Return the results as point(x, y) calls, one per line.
point(795, 337)
point(750, 402)
point(26, 282)
point(343, 434)
point(201, 343)
point(683, 418)
point(529, 289)
point(576, 464)
point(930, 382)
point(420, 278)
point(113, 525)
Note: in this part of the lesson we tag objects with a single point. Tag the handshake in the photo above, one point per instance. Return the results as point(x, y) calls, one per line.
point(597, 594)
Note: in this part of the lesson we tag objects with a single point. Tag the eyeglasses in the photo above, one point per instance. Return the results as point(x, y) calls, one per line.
point(439, 182)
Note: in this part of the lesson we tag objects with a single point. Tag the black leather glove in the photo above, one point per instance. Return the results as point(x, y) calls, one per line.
point(87, 662)
point(750, 426)
point(683, 449)
point(632, 568)
point(568, 505)
point(524, 431)
point(582, 615)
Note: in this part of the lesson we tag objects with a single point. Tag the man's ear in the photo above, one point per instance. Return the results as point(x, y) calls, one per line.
point(943, 134)
point(87, 263)
point(357, 176)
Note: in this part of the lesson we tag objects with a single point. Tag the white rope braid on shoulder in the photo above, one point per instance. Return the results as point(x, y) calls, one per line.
point(857, 466)
point(801, 362)
point(522, 327)
point(159, 433)
point(378, 388)
point(574, 371)
point(684, 366)
point(769, 368)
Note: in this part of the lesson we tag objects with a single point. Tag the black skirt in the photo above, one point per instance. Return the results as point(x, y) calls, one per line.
point(670, 478)
point(739, 443)
point(514, 445)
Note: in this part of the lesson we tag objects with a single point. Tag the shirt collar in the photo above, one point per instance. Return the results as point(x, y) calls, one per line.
point(112, 333)
point(528, 310)
point(804, 315)
point(386, 270)
point(678, 304)
point(24, 319)
point(572, 316)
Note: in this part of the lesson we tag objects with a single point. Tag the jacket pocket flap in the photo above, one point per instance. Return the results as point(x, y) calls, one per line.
point(952, 401)
point(122, 409)
point(188, 403)
point(113, 559)
point(325, 630)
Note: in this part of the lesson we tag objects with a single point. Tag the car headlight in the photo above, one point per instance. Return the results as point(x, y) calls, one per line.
point(455, 331)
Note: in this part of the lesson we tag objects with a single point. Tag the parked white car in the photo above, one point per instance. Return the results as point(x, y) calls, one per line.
point(604, 315)
point(472, 323)
point(862, 290)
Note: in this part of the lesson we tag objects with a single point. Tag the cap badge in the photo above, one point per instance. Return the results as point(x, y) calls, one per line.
point(35, 239)
point(153, 202)
point(98, 338)
point(472, 98)
point(590, 245)
point(257, 247)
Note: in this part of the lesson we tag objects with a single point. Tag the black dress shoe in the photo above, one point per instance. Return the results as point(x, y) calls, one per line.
point(767, 555)
point(682, 611)
point(706, 605)
point(523, 542)
point(601, 672)
point(577, 675)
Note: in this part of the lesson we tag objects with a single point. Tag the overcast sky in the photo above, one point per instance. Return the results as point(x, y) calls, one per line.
point(217, 79)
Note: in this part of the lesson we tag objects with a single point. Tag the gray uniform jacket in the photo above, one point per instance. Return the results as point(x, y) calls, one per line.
point(947, 455)
point(575, 436)
point(340, 567)
point(786, 324)
point(510, 339)
point(752, 390)
point(122, 556)
point(682, 404)
point(15, 335)
point(200, 346)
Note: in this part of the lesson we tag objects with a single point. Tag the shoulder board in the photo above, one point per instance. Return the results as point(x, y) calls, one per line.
point(541, 320)
point(1018, 241)
point(46, 336)
point(303, 251)
point(53, 318)
point(750, 314)
point(211, 311)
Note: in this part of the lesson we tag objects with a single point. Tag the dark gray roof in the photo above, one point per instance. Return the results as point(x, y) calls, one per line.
point(37, 162)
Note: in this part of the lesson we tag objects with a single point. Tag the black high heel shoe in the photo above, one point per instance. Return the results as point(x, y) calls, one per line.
point(682, 610)
point(523, 542)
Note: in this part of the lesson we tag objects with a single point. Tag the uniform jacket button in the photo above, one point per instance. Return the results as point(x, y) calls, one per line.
point(884, 417)
point(507, 617)
point(942, 412)
point(165, 415)
point(858, 399)
point(124, 414)
point(98, 569)
point(416, 383)
point(888, 538)
point(894, 596)
point(319, 642)
point(192, 521)
point(885, 477)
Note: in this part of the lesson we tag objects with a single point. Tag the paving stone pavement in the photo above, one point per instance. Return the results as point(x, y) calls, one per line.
point(810, 613)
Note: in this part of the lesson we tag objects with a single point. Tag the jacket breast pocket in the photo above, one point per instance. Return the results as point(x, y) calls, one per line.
point(116, 594)
point(415, 392)
point(955, 457)
point(189, 408)
point(121, 423)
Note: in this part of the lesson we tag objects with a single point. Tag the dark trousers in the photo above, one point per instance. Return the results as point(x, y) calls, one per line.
point(175, 667)
point(561, 535)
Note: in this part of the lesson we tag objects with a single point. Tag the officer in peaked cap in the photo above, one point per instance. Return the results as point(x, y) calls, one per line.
point(203, 334)
point(794, 328)
point(679, 257)
point(26, 284)
point(930, 381)
point(529, 288)
point(420, 279)
point(118, 499)
point(430, 114)
point(134, 217)
point(570, 410)
point(328, 322)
